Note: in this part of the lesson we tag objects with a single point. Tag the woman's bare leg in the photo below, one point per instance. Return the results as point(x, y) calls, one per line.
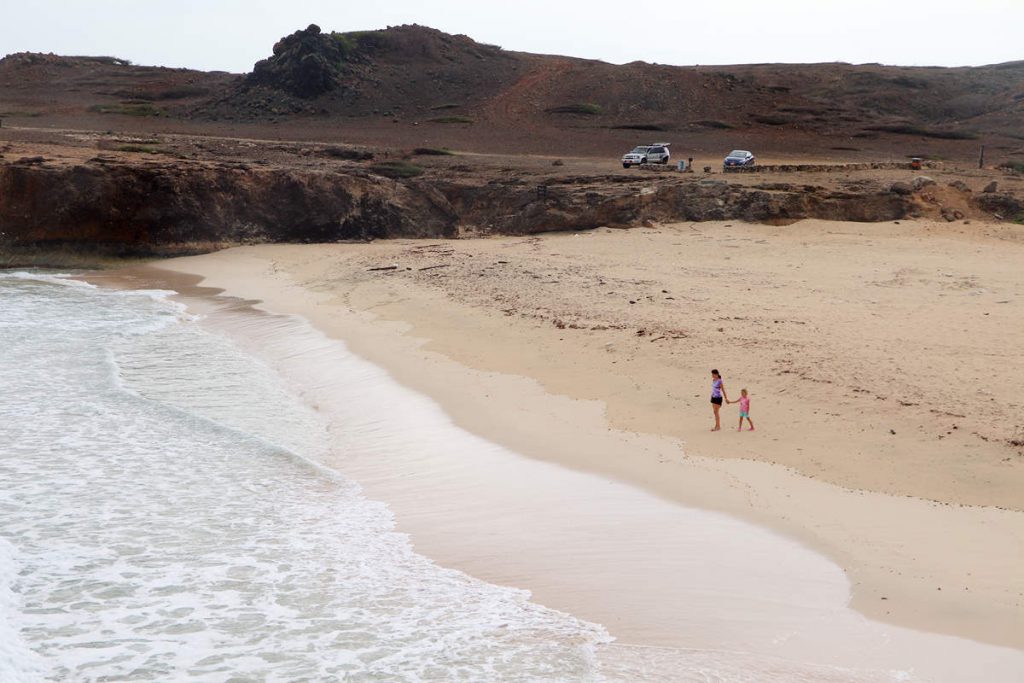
point(718, 423)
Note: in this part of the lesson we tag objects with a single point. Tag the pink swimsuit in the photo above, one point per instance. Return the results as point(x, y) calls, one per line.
point(744, 406)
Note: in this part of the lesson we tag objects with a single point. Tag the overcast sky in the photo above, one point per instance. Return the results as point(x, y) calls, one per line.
point(231, 35)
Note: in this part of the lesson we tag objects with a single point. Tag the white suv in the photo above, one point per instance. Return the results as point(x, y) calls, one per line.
point(656, 153)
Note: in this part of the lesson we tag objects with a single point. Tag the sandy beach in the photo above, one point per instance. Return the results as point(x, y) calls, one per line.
point(878, 358)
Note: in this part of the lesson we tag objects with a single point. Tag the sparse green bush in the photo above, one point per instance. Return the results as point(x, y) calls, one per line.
point(640, 126)
point(354, 41)
point(397, 169)
point(345, 153)
point(126, 109)
point(432, 151)
point(181, 93)
point(346, 43)
point(1014, 165)
point(910, 129)
point(451, 119)
point(142, 149)
point(584, 108)
point(772, 119)
point(709, 123)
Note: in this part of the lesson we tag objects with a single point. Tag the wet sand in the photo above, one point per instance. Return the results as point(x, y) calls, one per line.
point(534, 345)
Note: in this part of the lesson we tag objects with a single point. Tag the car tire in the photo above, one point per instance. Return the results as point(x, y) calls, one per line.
point(625, 165)
point(644, 160)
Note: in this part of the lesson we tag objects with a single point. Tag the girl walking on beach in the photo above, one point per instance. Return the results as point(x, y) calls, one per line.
point(717, 395)
point(744, 401)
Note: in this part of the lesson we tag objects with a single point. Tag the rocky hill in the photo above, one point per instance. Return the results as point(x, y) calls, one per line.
point(416, 82)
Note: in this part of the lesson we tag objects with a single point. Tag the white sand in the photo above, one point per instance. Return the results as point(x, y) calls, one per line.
point(868, 317)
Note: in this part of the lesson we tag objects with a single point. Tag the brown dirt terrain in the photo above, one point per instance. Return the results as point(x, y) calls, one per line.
point(410, 86)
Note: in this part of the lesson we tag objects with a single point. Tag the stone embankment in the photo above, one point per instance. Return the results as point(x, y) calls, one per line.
point(124, 207)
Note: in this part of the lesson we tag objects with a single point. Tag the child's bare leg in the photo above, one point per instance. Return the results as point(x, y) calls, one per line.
point(751, 423)
point(740, 428)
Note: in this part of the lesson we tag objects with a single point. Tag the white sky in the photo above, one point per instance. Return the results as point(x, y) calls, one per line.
point(231, 35)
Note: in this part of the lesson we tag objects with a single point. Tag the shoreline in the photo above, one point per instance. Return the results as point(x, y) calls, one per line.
point(671, 583)
point(757, 492)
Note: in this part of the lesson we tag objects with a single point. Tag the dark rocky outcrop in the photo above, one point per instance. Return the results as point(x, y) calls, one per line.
point(305, 64)
point(359, 73)
point(149, 208)
point(1001, 205)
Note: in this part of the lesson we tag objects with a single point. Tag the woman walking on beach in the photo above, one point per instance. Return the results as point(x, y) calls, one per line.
point(717, 396)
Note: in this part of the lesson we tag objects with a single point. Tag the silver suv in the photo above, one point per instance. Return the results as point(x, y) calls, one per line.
point(656, 153)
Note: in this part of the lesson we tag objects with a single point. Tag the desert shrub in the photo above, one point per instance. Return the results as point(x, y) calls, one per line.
point(397, 169)
point(451, 119)
point(908, 82)
point(1015, 165)
point(449, 105)
point(772, 120)
point(802, 110)
point(584, 108)
point(354, 41)
point(432, 151)
point(639, 126)
point(709, 123)
point(142, 149)
point(910, 129)
point(346, 43)
point(344, 153)
point(126, 109)
point(181, 93)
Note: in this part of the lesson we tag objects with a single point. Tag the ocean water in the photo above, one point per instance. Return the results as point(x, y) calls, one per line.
point(172, 509)
point(162, 518)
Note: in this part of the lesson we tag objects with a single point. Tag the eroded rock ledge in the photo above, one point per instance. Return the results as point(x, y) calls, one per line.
point(142, 208)
point(131, 208)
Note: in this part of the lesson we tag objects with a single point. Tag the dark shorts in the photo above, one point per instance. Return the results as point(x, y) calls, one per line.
point(717, 400)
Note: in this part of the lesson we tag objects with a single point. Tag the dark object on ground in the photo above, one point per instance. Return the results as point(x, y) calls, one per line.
point(432, 151)
point(397, 169)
